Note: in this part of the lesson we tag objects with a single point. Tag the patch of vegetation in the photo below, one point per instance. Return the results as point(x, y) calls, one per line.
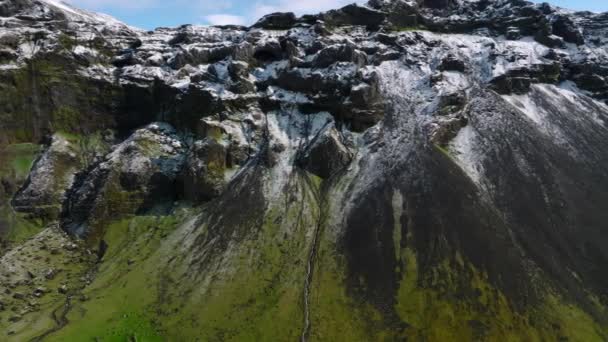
point(257, 292)
point(67, 42)
point(21, 227)
point(121, 304)
point(337, 316)
point(443, 151)
point(253, 290)
point(66, 119)
point(15, 164)
point(86, 146)
point(39, 296)
point(482, 314)
point(48, 88)
point(253, 293)
point(17, 160)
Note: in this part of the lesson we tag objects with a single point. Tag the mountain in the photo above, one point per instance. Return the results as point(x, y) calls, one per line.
point(430, 170)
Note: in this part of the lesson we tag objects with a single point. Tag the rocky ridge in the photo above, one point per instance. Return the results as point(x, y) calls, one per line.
point(434, 167)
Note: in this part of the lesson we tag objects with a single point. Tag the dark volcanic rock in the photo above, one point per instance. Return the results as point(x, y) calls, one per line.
point(399, 13)
point(139, 175)
point(203, 176)
point(451, 63)
point(326, 155)
point(550, 40)
point(565, 28)
point(513, 33)
point(415, 169)
point(518, 81)
point(50, 178)
point(355, 15)
point(125, 60)
point(339, 53)
point(270, 50)
point(506, 84)
point(277, 21)
point(10, 8)
point(437, 4)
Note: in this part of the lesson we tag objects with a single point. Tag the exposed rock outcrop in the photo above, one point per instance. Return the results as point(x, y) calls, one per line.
point(277, 21)
point(409, 169)
point(326, 155)
point(51, 177)
point(139, 175)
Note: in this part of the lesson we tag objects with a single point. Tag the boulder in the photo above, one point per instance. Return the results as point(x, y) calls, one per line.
point(291, 49)
point(243, 52)
point(451, 102)
point(326, 155)
point(591, 82)
point(402, 14)
point(321, 29)
point(364, 107)
point(387, 39)
point(51, 177)
point(269, 50)
point(505, 84)
point(238, 69)
point(549, 40)
point(11, 8)
point(566, 29)
point(513, 33)
point(339, 53)
point(277, 21)
point(39, 292)
point(203, 176)
point(138, 176)
point(451, 63)
point(355, 15)
point(444, 129)
point(242, 86)
point(518, 81)
point(364, 95)
point(126, 59)
point(181, 37)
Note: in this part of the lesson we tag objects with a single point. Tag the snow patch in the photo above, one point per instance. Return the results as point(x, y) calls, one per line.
point(526, 106)
point(291, 131)
point(466, 155)
point(287, 96)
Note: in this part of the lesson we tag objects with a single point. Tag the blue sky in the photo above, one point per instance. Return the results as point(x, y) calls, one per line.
point(152, 13)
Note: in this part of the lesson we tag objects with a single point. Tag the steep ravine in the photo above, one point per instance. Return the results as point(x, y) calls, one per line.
point(320, 196)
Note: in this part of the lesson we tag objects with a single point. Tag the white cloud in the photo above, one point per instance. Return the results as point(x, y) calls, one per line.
point(215, 5)
point(187, 5)
point(218, 12)
point(225, 19)
point(299, 7)
point(262, 8)
point(123, 4)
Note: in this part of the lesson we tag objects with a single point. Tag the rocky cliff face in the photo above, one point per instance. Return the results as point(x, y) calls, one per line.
point(406, 170)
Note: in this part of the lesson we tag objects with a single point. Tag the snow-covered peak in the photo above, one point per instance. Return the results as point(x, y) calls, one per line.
point(76, 14)
point(48, 12)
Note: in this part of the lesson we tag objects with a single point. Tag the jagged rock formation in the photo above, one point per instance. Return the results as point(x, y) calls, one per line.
point(404, 170)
